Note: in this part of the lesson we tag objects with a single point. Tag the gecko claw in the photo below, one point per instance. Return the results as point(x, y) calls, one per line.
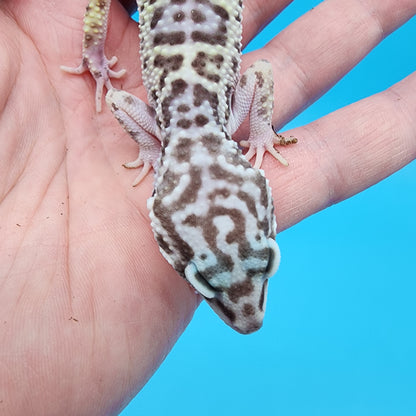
point(143, 173)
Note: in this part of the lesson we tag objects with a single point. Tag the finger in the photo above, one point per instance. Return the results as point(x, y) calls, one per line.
point(318, 49)
point(346, 152)
point(257, 14)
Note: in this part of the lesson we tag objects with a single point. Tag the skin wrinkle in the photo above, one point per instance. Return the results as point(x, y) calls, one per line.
point(329, 168)
point(383, 12)
point(400, 102)
point(339, 174)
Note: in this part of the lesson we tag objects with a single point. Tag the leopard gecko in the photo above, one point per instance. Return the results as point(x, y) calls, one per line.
point(211, 211)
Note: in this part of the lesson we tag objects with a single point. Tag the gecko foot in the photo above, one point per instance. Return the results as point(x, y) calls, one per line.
point(100, 69)
point(258, 147)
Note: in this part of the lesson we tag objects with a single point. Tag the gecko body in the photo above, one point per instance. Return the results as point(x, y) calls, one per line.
point(211, 212)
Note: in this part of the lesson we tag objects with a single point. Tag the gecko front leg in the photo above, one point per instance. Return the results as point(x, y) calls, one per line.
point(253, 96)
point(138, 119)
point(93, 57)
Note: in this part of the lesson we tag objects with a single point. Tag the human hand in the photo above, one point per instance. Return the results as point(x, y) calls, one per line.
point(89, 307)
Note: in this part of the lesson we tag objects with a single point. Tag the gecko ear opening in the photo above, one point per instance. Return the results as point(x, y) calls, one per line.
point(198, 281)
point(274, 259)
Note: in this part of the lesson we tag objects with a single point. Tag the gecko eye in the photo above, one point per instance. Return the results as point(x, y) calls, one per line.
point(198, 281)
point(274, 259)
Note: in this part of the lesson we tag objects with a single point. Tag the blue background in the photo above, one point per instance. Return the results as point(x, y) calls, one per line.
point(339, 336)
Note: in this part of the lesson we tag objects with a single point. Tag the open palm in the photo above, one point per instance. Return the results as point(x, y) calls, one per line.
point(88, 306)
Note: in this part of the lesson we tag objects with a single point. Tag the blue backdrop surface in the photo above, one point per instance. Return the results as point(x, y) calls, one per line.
point(339, 335)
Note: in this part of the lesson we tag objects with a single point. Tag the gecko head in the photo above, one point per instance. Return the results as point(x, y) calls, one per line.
point(236, 291)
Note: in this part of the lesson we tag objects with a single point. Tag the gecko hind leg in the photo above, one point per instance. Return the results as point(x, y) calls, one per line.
point(93, 57)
